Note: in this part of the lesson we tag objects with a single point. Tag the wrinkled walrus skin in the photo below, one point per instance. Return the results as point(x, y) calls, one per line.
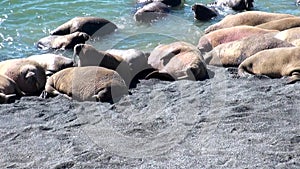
point(209, 41)
point(89, 83)
point(232, 54)
point(274, 63)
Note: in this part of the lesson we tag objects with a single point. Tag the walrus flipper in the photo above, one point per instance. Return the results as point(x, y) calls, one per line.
point(7, 98)
point(160, 76)
point(293, 78)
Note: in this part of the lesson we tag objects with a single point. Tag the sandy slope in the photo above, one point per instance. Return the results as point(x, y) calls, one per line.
point(223, 122)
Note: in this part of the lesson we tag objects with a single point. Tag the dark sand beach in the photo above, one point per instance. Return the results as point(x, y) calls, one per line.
point(222, 122)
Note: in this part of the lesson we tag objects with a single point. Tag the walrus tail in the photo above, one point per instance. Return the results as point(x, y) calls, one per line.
point(160, 76)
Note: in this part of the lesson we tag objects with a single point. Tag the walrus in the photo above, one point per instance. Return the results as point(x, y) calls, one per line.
point(29, 76)
point(93, 26)
point(62, 41)
point(8, 90)
point(172, 3)
point(251, 18)
point(52, 63)
point(89, 83)
point(176, 61)
point(151, 12)
point(281, 24)
point(136, 59)
point(289, 35)
point(203, 12)
point(235, 4)
point(208, 41)
point(233, 53)
point(90, 56)
point(274, 63)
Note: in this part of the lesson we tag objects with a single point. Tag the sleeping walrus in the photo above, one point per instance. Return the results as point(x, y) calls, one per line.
point(178, 60)
point(274, 63)
point(29, 76)
point(89, 83)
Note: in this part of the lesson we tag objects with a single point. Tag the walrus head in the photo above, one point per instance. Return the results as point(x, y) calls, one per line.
point(203, 13)
point(32, 79)
point(88, 55)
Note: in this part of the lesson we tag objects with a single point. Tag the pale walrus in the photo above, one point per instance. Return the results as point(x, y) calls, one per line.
point(289, 35)
point(8, 89)
point(90, 56)
point(93, 26)
point(281, 24)
point(29, 76)
point(208, 41)
point(62, 41)
point(89, 83)
point(178, 60)
point(52, 63)
point(251, 18)
point(151, 12)
point(274, 63)
point(234, 53)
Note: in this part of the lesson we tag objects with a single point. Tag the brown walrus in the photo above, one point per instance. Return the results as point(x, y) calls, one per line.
point(62, 41)
point(235, 4)
point(251, 18)
point(281, 24)
point(203, 12)
point(137, 60)
point(172, 3)
point(274, 63)
point(208, 41)
point(234, 53)
point(151, 12)
point(89, 83)
point(29, 76)
point(93, 26)
point(178, 60)
point(52, 63)
point(8, 89)
point(90, 56)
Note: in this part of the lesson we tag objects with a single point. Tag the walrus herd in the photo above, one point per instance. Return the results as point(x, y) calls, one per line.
point(255, 42)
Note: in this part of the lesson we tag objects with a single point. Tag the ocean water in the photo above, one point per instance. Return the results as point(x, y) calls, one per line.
point(23, 23)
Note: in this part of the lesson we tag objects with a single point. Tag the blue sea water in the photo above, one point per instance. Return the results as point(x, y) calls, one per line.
point(23, 23)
